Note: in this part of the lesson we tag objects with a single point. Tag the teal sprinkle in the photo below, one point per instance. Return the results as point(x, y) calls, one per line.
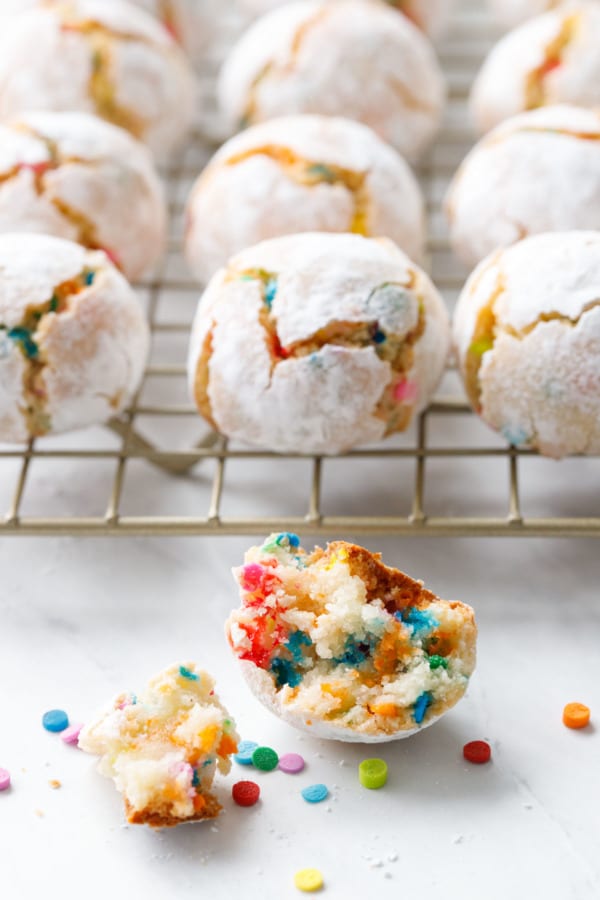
point(436, 662)
point(196, 778)
point(422, 704)
point(285, 673)
point(270, 291)
point(133, 699)
point(22, 337)
point(379, 337)
point(296, 641)
point(286, 537)
point(419, 621)
point(207, 762)
point(356, 652)
point(187, 673)
point(88, 277)
point(321, 171)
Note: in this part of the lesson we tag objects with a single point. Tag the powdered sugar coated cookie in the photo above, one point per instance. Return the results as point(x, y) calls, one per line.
point(317, 343)
point(73, 337)
point(551, 59)
point(77, 177)
point(538, 172)
point(352, 58)
point(527, 332)
point(299, 174)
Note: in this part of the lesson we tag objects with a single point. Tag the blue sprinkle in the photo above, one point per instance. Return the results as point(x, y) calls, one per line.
point(418, 620)
point(422, 704)
point(55, 720)
point(187, 673)
point(356, 651)
point(244, 753)
point(295, 642)
point(315, 793)
point(88, 277)
point(270, 291)
point(514, 435)
point(22, 336)
point(379, 337)
point(196, 777)
point(287, 537)
point(285, 673)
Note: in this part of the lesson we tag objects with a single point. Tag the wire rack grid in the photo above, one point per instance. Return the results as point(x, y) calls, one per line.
point(157, 449)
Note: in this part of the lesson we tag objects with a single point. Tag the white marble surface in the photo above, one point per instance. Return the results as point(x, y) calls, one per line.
point(81, 620)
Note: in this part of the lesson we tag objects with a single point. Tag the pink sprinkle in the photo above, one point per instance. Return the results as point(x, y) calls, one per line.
point(71, 734)
point(4, 779)
point(291, 763)
point(37, 168)
point(406, 392)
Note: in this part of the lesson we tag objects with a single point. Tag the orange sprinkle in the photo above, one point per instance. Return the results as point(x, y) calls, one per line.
point(227, 746)
point(385, 709)
point(55, 783)
point(199, 803)
point(576, 715)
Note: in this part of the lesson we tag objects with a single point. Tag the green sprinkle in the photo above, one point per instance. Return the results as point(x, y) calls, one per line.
point(372, 773)
point(187, 673)
point(53, 304)
point(478, 348)
point(436, 662)
point(265, 759)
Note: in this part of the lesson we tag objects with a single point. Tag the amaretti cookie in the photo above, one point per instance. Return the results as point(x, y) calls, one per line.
point(339, 645)
point(527, 333)
point(549, 60)
point(316, 343)
point(73, 337)
point(298, 174)
point(111, 59)
point(77, 177)
point(536, 172)
point(351, 58)
point(163, 746)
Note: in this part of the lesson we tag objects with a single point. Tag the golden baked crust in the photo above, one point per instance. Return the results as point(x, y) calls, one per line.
point(156, 819)
point(396, 589)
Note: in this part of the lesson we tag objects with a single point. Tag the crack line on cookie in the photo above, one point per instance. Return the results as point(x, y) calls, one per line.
point(310, 173)
point(26, 337)
point(273, 67)
point(553, 57)
point(101, 85)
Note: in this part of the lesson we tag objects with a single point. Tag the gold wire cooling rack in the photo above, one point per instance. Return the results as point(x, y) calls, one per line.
point(154, 472)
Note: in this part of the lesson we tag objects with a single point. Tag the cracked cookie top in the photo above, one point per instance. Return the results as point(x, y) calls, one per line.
point(72, 175)
point(552, 58)
point(111, 59)
point(317, 343)
point(73, 337)
point(527, 331)
point(538, 172)
point(360, 60)
point(300, 174)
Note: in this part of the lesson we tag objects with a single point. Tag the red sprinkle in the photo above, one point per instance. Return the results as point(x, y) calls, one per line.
point(477, 752)
point(245, 793)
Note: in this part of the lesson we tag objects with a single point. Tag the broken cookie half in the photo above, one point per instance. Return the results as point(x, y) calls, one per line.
point(339, 645)
point(162, 747)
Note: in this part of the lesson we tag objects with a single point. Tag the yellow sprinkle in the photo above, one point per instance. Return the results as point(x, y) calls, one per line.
point(308, 880)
